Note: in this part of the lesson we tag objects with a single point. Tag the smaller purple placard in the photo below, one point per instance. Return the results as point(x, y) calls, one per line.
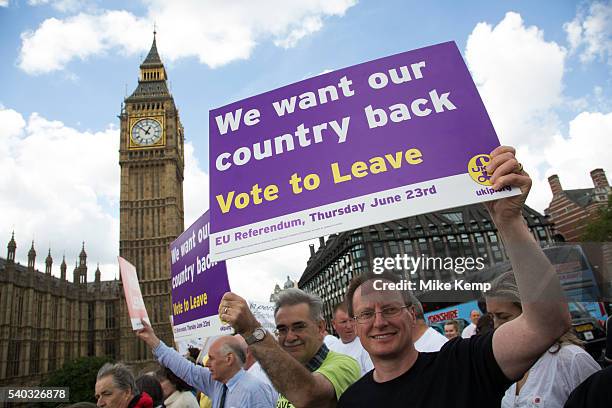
point(198, 283)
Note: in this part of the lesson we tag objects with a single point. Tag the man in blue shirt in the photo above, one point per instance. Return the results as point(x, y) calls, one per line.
point(223, 378)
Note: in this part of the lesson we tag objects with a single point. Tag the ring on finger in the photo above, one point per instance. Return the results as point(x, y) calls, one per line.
point(225, 310)
point(520, 168)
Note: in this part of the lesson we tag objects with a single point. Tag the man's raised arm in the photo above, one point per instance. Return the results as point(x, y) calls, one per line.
point(193, 374)
point(519, 343)
point(290, 377)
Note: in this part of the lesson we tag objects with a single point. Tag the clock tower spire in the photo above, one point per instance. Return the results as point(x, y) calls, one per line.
point(151, 202)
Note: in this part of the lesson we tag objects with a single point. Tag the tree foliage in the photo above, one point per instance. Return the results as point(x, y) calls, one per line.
point(599, 229)
point(79, 375)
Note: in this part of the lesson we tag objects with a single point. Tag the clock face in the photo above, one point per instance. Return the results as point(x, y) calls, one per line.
point(146, 132)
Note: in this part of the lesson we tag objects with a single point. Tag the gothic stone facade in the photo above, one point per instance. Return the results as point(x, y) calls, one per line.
point(46, 321)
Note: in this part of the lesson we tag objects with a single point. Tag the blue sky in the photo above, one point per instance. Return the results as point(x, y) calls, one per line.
point(542, 68)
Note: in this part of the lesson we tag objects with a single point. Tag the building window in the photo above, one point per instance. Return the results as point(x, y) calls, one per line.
point(466, 246)
point(378, 249)
point(438, 246)
point(52, 356)
point(110, 315)
point(541, 232)
point(453, 246)
point(454, 217)
point(394, 248)
point(34, 357)
point(423, 247)
point(68, 351)
point(374, 235)
point(358, 251)
point(14, 353)
point(496, 248)
point(408, 249)
point(90, 328)
point(54, 311)
point(480, 244)
point(389, 233)
point(356, 237)
point(109, 348)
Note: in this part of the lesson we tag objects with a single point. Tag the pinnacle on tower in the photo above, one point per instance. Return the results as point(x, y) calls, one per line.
point(48, 263)
point(12, 246)
point(63, 268)
point(98, 273)
point(152, 60)
point(31, 257)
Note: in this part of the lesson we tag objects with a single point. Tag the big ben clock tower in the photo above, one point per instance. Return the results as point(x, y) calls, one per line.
point(151, 207)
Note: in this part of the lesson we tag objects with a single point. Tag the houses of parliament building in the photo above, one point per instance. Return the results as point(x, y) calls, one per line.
point(47, 320)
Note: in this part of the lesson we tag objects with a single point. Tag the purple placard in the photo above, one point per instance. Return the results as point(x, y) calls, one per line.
point(410, 118)
point(198, 283)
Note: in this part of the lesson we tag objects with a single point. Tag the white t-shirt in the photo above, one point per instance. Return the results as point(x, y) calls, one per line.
point(430, 341)
point(354, 349)
point(331, 342)
point(469, 331)
point(181, 399)
point(552, 378)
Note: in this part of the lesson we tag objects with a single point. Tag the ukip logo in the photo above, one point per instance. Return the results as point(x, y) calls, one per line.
point(477, 167)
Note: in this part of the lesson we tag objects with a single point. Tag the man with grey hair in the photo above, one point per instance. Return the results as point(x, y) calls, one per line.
point(424, 337)
point(116, 388)
point(222, 379)
point(299, 364)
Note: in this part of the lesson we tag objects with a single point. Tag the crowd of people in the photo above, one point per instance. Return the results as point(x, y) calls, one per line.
point(521, 353)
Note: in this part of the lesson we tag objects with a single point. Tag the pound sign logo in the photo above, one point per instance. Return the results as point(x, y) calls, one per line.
point(477, 167)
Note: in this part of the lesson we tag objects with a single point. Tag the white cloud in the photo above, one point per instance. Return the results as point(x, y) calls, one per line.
point(56, 42)
point(587, 147)
point(519, 76)
point(56, 185)
point(590, 33)
point(4, 3)
point(215, 32)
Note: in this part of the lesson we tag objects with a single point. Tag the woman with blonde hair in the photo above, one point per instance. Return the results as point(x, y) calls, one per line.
point(557, 372)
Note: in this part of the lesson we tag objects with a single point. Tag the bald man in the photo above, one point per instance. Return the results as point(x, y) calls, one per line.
point(470, 329)
point(222, 379)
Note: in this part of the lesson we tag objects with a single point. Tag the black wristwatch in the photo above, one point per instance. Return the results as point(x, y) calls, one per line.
point(258, 335)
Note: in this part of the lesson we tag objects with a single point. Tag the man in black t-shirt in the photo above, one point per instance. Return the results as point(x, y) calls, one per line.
point(470, 372)
point(594, 392)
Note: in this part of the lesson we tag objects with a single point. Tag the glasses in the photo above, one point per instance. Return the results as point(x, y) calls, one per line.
point(296, 328)
point(387, 312)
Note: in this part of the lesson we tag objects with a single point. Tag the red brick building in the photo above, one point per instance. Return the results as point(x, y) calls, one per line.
point(570, 210)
